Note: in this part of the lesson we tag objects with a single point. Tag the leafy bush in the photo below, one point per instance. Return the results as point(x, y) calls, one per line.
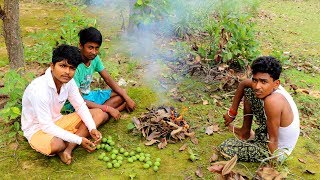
point(14, 85)
point(147, 12)
point(46, 40)
point(232, 40)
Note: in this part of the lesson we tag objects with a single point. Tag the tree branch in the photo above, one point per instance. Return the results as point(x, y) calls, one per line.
point(2, 14)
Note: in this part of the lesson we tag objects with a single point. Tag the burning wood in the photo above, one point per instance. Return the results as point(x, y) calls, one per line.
point(162, 125)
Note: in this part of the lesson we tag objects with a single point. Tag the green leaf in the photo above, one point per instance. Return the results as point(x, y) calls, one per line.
point(16, 126)
point(12, 134)
point(16, 110)
point(139, 2)
point(130, 126)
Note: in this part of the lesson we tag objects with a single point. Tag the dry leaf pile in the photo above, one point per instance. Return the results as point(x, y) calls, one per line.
point(162, 125)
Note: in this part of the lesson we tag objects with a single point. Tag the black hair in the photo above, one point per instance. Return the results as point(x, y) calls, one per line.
point(90, 34)
point(267, 64)
point(69, 53)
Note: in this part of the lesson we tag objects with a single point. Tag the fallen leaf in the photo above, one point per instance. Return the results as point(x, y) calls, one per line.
point(151, 142)
point(209, 130)
point(310, 172)
point(267, 173)
point(216, 168)
point(191, 134)
point(136, 122)
point(301, 160)
point(153, 135)
point(205, 102)
point(183, 147)
point(199, 172)
point(163, 143)
point(215, 128)
point(174, 132)
point(194, 140)
point(214, 157)
point(229, 166)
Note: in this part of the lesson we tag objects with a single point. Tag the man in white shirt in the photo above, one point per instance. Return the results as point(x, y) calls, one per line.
point(47, 130)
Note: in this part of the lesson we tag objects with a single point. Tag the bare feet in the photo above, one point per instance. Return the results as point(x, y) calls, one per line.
point(240, 134)
point(65, 157)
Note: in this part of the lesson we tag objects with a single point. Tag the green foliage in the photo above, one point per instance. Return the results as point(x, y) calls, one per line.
point(149, 11)
point(46, 40)
point(232, 36)
point(14, 85)
point(188, 17)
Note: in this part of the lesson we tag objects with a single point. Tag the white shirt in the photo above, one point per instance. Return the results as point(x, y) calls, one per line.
point(41, 106)
point(288, 136)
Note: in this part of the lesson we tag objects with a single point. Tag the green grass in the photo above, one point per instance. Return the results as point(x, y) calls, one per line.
point(290, 26)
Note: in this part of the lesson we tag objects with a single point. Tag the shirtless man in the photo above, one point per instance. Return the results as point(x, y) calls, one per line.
point(47, 130)
point(275, 111)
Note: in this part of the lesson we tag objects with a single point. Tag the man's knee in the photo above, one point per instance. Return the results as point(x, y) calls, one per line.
point(98, 116)
point(57, 145)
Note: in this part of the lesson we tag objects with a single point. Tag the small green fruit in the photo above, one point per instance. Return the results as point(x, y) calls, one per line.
point(114, 161)
point(141, 158)
point(104, 140)
point(134, 158)
point(149, 162)
point(193, 157)
point(116, 165)
point(130, 160)
point(138, 149)
point(132, 153)
point(155, 168)
point(120, 158)
point(100, 157)
point(115, 151)
point(146, 166)
point(113, 156)
point(158, 159)
point(121, 150)
point(98, 146)
point(126, 154)
point(109, 165)
point(157, 163)
point(147, 155)
point(106, 158)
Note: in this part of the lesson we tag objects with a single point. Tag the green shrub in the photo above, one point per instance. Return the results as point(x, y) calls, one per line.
point(46, 40)
point(14, 85)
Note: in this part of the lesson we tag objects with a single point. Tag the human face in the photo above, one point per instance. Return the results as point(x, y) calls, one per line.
point(263, 84)
point(62, 72)
point(89, 50)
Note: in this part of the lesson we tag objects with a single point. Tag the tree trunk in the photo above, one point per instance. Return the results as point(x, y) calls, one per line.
point(131, 12)
point(11, 27)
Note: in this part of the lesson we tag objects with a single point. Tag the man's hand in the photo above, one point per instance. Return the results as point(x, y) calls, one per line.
point(114, 112)
point(96, 135)
point(131, 105)
point(227, 119)
point(87, 144)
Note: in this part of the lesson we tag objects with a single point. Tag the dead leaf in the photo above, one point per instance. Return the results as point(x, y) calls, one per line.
point(205, 102)
point(194, 140)
point(174, 132)
point(214, 157)
point(267, 173)
point(163, 143)
point(151, 142)
point(136, 122)
point(229, 166)
point(301, 160)
point(209, 130)
point(310, 172)
point(199, 172)
point(191, 134)
point(183, 147)
point(215, 128)
point(153, 135)
point(216, 168)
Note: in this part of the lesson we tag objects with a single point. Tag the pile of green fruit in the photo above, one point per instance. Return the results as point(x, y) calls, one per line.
point(118, 155)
